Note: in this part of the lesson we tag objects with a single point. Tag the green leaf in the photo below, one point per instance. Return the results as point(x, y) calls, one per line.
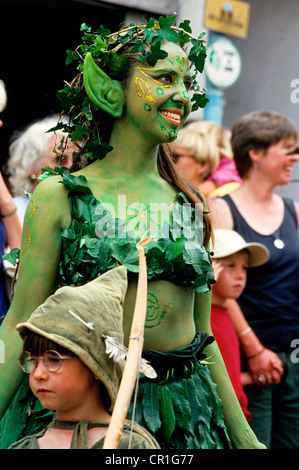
point(175, 249)
point(156, 53)
point(71, 56)
point(117, 64)
point(156, 263)
point(76, 182)
point(186, 26)
point(199, 101)
point(27, 194)
point(12, 256)
point(85, 28)
point(99, 44)
point(126, 254)
point(180, 404)
point(45, 175)
point(79, 132)
point(167, 413)
point(165, 29)
point(103, 31)
point(166, 22)
point(213, 398)
point(139, 47)
point(197, 54)
point(151, 406)
point(198, 400)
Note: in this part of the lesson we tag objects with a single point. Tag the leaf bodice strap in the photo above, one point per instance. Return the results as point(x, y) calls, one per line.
point(96, 242)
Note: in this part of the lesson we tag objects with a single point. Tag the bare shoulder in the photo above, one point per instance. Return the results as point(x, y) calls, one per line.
point(50, 200)
point(221, 214)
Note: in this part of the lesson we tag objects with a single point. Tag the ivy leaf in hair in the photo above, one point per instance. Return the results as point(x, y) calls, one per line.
point(139, 47)
point(165, 31)
point(197, 54)
point(156, 54)
point(199, 101)
point(110, 51)
point(117, 64)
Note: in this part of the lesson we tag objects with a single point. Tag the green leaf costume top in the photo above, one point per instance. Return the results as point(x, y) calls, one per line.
point(96, 242)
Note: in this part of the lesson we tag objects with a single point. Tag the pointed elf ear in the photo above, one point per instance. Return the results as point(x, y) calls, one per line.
point(102, 90)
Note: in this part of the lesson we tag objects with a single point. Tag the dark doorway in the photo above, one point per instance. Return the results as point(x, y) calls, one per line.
point(34, 37)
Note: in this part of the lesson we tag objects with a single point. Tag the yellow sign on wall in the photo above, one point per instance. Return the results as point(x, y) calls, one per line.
point(227, 17)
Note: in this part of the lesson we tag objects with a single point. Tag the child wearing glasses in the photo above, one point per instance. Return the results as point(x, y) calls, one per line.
point(70, 372)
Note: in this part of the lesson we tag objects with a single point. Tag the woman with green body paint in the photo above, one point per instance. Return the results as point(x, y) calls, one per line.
point(148, 109)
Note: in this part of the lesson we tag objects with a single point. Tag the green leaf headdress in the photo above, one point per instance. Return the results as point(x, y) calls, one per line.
point(111, 52)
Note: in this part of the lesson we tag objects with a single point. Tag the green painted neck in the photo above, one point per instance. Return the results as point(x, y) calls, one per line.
point(132, 153)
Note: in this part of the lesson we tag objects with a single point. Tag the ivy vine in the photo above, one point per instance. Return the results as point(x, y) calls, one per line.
point(105, 47)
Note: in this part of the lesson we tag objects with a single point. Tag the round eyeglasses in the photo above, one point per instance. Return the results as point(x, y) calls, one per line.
point(52, 360)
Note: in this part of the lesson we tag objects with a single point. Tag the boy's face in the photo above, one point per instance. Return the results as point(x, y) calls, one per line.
point(231, 276)
point(65, 390)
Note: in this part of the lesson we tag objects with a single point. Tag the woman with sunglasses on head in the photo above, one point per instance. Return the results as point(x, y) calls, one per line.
point(132, 95)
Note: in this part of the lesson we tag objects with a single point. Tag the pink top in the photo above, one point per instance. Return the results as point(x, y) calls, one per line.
point(226, 172)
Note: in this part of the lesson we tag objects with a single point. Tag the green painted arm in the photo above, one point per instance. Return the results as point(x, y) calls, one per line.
point(240, 433)
point(41, 245)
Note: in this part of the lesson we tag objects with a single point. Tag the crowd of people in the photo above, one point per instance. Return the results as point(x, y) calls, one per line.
point(222, 269)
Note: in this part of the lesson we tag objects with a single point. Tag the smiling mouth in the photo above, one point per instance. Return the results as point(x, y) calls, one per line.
point(172, 116)
point(288, 169)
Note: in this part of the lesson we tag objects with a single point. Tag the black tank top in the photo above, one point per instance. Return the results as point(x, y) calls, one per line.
point(270, 301)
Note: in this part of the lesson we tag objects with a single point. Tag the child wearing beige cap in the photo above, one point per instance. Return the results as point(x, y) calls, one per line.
point(232, 256)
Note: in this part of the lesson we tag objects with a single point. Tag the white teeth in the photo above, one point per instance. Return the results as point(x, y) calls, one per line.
point(172, 115)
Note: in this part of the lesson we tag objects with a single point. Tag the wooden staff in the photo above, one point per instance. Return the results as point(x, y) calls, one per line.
point(133, 358)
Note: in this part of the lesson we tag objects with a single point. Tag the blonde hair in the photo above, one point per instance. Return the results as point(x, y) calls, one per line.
point(200, 145)
point(220, 136)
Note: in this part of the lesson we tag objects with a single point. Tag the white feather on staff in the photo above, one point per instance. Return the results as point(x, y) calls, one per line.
point(118, 352)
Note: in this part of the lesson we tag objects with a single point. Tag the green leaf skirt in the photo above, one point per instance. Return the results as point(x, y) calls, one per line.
point(183, 410)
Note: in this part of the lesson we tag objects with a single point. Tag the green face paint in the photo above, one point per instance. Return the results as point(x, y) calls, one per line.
point(180, 62)
point(160, 91)
point(184, 91)
point(160, 87)
point(171, 134)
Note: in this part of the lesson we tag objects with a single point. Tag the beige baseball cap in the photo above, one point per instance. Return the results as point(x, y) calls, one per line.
point(227, 242)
